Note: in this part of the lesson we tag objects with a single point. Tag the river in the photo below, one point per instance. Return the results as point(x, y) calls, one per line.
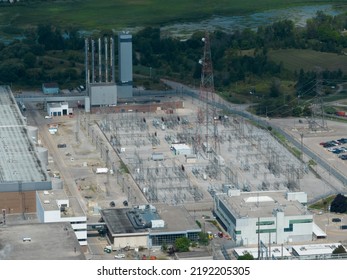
point(231, 23)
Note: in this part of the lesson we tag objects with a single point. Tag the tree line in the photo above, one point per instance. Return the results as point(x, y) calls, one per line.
point(47, 53)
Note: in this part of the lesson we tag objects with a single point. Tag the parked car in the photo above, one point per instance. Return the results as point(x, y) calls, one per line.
point(342, 140)
point(338, 151)
point(343, 157)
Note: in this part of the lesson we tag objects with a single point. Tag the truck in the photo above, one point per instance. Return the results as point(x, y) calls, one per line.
point(101, 170)
point(341, 113)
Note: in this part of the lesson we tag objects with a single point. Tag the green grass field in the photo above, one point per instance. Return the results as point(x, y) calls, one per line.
point(309, 60)
point(115, 14)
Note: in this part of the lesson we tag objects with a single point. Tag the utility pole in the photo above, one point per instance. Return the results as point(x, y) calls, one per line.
point(302, 146)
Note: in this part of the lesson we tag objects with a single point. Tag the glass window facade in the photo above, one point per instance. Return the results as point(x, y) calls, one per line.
point(265, 223)
point(169, 239)
point(266, 230)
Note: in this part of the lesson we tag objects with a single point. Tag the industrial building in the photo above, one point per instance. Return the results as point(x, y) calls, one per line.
point(103, 94)
point(148, 225)
point(50, 88)
point(58, 109)
point(181, 149)
point(56, 206)
point(102, 86)
point(269, 217)
point(315, 251)
point(22, 171)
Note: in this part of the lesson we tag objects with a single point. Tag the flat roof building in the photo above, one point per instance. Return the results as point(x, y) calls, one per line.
point(267, 216)
point(148, 225)
point(21, 170)
point(50, 88)
point(56, 206)
point(58, 109)
point(315, 251)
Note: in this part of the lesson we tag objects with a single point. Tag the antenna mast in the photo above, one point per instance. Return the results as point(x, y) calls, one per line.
point(207, 93)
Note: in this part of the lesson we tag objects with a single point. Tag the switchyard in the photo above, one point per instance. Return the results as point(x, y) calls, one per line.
point(239, 156)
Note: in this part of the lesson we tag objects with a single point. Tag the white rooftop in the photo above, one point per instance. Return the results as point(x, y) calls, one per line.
point(315, 249)
point(318, 231)
point(261, 204)
point(180, 146)
point(260, 198)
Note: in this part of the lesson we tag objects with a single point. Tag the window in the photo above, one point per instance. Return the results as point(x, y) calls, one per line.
point(268, 230)
point(265, 223)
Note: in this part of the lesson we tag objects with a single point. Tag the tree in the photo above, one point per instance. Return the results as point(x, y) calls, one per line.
point(339, 204)
point(275, 88)
point(203, 238)
point(182, 244)
point(246, 256)
point(164, 247)
point(29, 60)
point(297, 111)
point(50, 37)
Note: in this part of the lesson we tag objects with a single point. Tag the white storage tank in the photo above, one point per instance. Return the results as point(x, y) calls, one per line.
point(33, 133)
point(42, 154)
point(87, 104)
point(57, 184)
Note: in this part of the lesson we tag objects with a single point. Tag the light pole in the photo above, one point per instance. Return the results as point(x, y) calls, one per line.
point(302, 146)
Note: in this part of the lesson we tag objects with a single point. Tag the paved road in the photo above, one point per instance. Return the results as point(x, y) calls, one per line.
point(49, 143)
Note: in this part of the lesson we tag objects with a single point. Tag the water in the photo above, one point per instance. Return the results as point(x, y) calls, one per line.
point(231, 23)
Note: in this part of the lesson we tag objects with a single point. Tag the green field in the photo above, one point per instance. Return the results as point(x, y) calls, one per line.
point(115, 14)
point(294, 59)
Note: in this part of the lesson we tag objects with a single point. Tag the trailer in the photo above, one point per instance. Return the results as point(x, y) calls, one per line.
point(101, 170)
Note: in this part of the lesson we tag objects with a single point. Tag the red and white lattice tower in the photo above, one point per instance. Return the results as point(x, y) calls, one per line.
point(207, 94)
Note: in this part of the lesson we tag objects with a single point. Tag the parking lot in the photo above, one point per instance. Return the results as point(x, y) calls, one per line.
point(314, 140)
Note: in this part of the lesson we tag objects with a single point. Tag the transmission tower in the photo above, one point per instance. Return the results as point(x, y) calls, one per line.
point(317, 109)
point(207, 93)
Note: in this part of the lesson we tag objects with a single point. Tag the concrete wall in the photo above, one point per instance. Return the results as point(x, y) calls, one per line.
point(138, 107)
point(132, 241)
point(125, 91)
point(25, 186)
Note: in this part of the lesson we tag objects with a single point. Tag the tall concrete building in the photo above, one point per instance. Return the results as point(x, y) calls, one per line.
point(125, 65)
